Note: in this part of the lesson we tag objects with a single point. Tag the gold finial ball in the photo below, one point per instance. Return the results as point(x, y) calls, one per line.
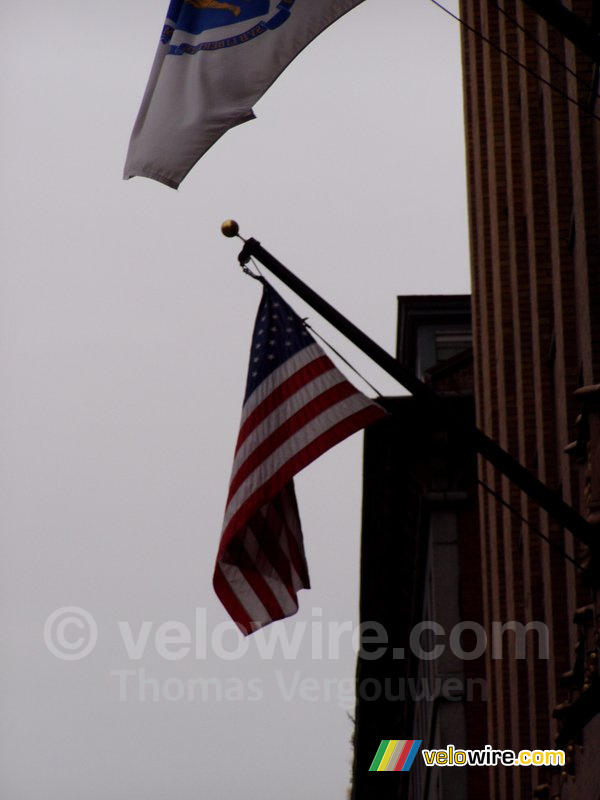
point(230, 228)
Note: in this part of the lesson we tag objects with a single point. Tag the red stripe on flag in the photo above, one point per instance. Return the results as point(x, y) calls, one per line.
point(293, 533)
point(268, 531)
point(270, 561)
point(236, 554)
point(231, 602)
point(280, 393)
point(289, 428)
point(303, 458)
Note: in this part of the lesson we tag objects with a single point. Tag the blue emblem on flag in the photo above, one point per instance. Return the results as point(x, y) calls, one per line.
point(196, 16)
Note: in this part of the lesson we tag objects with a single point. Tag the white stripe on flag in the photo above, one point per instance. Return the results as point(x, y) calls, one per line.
point(315, 428)
point(306, 394)
point(279, 376)
point(274, 582)
point(243, 592)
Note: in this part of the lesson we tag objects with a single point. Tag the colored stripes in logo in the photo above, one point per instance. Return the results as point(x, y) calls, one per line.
point(395, 755)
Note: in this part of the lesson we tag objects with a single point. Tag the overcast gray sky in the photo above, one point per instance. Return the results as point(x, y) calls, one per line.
point(124, 337)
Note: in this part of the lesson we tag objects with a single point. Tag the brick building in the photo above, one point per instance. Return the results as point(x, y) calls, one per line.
point(533, 172)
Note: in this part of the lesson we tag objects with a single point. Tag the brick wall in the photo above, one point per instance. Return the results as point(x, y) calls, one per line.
point(532, 171)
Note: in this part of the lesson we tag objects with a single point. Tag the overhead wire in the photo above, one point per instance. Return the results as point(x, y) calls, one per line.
point(498, 497)
point(543, 47)
point(565, 95)
point(258, 275)
point(342, 358)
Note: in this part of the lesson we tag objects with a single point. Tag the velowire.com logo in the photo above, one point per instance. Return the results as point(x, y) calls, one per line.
point(395, 755)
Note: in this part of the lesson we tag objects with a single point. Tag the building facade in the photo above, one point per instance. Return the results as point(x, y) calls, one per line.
point(420, 568)
point(533, 172)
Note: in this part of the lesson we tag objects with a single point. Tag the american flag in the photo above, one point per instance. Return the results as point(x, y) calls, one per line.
point(297, 405)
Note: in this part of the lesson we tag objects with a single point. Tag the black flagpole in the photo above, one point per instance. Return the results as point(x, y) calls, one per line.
point(549, 500)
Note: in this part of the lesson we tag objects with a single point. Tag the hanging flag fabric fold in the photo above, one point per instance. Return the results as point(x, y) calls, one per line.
point(214, 61)
point(297, 405)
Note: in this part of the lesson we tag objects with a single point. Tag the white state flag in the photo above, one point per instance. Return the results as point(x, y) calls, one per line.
point(214, 61)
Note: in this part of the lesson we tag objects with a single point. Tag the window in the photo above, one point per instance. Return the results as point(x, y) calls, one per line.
point(450, 343)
